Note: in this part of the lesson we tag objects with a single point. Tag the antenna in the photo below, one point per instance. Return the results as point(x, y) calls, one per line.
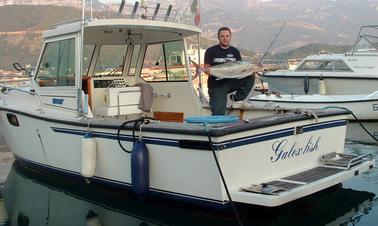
point(156, 11)
point(121, 8)
point(168, 13)
point(132, 16)
point(271, 44)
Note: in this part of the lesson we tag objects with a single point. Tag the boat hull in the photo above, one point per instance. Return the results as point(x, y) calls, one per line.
point(181, 167)
point(364, 107)
point(334, 85)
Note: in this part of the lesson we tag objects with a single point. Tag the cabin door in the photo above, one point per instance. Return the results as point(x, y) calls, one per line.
point(56, 79)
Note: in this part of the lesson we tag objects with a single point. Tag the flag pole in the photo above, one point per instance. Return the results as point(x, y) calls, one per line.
point(79, 82)
point(199, 46)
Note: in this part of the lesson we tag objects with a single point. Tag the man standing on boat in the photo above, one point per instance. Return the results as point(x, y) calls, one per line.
point(219, 88)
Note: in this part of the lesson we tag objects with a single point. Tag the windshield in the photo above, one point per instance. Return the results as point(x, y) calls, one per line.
point(367, 41)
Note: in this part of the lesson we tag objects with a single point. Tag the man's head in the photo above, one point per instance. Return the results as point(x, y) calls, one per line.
point(224, 37)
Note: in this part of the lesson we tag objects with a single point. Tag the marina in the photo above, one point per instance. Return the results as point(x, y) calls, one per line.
point(112, 126)
point(116, 128)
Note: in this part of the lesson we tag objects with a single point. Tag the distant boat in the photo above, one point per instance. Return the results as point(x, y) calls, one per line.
point(293, 63)
point(354, 72)
point(364, 107)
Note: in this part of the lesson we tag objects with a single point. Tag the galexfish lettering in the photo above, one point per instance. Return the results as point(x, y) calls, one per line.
point(283, 151)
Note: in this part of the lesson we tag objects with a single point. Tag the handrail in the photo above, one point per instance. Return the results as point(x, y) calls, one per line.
point(359, 158)
point(6, 88)
point(345, 165)
point(119, 100)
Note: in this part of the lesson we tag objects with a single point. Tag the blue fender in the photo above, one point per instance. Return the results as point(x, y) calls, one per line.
point(306, 84)
point(140, 172)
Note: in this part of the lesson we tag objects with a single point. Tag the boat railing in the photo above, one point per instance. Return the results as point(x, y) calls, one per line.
point(146, 11)
point(345, 161)
point(5, 89)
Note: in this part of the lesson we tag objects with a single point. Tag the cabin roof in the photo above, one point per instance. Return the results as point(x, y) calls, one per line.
point(147, 28)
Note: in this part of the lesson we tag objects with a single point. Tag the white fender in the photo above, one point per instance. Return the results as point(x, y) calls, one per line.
point(322, 87)
point(94, 221)
point(88, 155)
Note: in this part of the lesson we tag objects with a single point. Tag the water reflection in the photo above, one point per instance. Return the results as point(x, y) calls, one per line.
point(34, 199)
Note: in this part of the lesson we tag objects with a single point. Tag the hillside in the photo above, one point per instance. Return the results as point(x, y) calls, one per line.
point(327, 23)
point(31, 18)
point(310, 49)
point(21, 31)
point(255, 22)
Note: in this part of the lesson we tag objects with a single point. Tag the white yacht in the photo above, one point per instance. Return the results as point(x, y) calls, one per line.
point(84, 117)
point(355, 72)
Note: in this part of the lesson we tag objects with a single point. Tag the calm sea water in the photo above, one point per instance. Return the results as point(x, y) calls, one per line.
point(30, 198)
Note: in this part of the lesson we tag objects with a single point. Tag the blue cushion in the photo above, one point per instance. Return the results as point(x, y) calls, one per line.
point(212, 119)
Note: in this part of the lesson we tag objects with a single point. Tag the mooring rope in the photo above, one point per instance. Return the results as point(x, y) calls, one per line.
point(357, 120)
point(222, 177)
point(142, 120)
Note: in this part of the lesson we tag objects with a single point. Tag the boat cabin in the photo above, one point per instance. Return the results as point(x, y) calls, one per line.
point(104, 70)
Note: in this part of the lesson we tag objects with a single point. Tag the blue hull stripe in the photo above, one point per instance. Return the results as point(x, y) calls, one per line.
point(217, 145)
point(126, 186)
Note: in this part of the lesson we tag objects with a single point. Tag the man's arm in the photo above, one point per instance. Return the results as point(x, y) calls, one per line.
point(238, 55)
point(208, 59)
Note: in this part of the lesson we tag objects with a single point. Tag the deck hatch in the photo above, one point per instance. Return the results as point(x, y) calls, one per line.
point(283, 184)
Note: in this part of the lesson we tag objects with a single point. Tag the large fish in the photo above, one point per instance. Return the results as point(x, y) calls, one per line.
point(232, 69)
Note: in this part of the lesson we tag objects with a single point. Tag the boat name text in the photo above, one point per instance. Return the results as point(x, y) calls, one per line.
point(284, 151)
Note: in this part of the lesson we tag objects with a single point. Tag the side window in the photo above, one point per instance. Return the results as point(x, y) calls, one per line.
point(57, 66)
point(164, 62)
point(110, 60)
point(310, 65)
point(341, 66)
point(328, 65)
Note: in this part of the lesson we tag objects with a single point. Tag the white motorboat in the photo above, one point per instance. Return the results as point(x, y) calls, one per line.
point(355, 72)
point(84, 109)
point(364, 107)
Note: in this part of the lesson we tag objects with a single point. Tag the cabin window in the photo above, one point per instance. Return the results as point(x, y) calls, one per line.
point(134, 60)
point(310, 65)
point(165, 62)
point(57, 66)
point(323, 65)
point(340, 65)
point(110, 60)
